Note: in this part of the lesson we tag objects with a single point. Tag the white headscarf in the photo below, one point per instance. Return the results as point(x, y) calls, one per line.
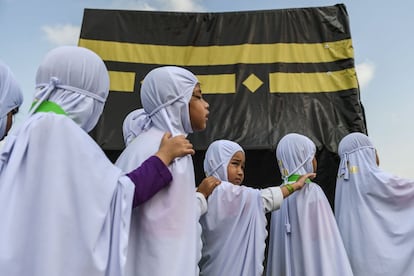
point(65, 207)
point(234, 228)
point(374, 211)
point(304, 237)
point(83, 99)
point(218, 156)
point(294, 155)
point(168, 110)
point(164, 238)
point(11, 96)
point(130, 127)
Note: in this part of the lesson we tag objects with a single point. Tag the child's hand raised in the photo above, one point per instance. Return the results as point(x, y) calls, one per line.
point(173, 147)
point(207, 186)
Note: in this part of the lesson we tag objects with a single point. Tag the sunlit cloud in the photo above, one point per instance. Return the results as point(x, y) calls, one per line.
point(182, 5)
point(162, 5)
point(62, 34)
point(132, 5)
point(365, 73)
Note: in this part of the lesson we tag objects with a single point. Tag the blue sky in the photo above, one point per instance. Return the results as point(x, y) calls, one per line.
point(381, 32)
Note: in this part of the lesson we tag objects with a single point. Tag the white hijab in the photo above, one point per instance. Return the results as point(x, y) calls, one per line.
point(164, 237)
point(130, 127)
point(218, 156)
point(167, 110)
point(65, 208)
point(234, 228)
point(304, 237)
point(82, 98)
point(374, 211)
point(11, 96)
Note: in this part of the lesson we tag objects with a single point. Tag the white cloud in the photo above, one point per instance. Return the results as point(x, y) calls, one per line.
point(165, 5)
point(132, 5)
point(62, 34)
point(365, 73)
point(182, 5)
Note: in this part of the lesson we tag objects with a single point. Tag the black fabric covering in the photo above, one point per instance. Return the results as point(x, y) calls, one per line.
point(257, 121)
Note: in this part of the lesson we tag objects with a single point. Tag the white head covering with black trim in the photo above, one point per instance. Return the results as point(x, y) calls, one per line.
point(373, 209)
point(304, 237)
point(65, 207)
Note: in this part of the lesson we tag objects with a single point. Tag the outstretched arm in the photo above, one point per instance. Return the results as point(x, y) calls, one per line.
point(291, 188)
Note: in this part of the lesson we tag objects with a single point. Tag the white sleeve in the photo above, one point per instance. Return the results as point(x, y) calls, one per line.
point(272, 198)
point(202, 204)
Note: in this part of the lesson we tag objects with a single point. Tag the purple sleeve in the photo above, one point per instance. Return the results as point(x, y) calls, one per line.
point(149, 178)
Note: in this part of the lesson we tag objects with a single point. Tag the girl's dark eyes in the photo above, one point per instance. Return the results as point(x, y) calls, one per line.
point(197, 96)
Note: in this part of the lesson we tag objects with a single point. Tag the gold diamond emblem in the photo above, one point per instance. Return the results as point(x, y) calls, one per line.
point(252, 83)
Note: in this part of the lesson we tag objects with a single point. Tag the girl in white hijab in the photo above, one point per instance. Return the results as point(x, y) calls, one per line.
point(64, 207)
point(234, 228)
point(304, 237)
point(374, 210)
point(165, 236)
point(11, 98)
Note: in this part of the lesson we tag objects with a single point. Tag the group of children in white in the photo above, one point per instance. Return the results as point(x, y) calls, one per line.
point(67, 210)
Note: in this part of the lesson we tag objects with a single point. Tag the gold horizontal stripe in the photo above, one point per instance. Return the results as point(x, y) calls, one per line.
point(278, 82)
point(217, 84)
point(313, 82)
point(221, 55)
point(122, 81)
point(210, 84)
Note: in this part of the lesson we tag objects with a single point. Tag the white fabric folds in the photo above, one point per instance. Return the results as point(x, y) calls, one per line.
point(165, 238)
point(11, 96)
point(234, 232)
point(234, 228)
point(304, 237)
point(374, 210)
point(64, 207)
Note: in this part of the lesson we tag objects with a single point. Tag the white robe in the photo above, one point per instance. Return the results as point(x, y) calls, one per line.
point(165, 236)
point(234, 232)
point(374, 210)
point(71, 219)
point(304, 237)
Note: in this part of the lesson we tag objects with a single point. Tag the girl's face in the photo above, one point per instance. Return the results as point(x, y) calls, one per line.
point(198, 110)
point(235, 168)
